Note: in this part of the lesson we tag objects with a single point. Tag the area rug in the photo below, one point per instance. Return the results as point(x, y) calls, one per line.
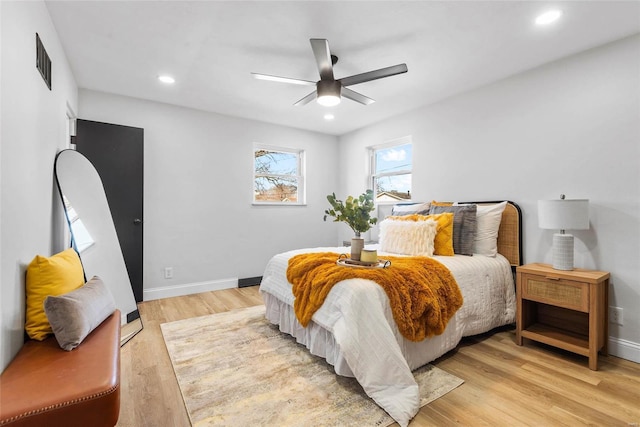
point(237, 369)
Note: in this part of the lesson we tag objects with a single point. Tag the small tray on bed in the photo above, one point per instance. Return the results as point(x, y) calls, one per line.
point(347, 262)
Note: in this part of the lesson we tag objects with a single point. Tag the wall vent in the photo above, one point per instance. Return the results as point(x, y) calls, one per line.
point(43, 63)
point(250, 281)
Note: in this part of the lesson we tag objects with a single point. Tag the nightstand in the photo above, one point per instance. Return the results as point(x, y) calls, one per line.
point(565, 309)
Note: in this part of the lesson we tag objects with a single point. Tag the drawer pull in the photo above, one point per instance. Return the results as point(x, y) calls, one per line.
point(552, 278)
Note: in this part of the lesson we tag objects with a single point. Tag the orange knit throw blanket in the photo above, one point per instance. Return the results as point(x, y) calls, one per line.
point(422, 292)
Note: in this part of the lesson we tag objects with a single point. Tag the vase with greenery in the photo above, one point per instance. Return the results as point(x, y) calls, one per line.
point(356, 213)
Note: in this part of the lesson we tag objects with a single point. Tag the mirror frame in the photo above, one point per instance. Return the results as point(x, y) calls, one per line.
point(80, 184)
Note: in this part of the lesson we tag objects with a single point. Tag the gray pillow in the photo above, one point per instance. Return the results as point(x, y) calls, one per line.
point(75, 314)
point(402, 209)
point(464, 226)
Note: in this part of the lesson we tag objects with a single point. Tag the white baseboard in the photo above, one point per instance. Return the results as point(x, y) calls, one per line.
point(624, 349)
point(188, 289)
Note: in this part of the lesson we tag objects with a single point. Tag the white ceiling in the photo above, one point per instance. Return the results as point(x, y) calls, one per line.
point(210, 47)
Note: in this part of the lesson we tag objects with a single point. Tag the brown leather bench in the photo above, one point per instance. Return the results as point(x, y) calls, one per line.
point(47, 386)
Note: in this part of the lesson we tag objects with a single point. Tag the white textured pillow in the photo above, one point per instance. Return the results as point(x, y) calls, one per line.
point(408, 237)
point(488, 218)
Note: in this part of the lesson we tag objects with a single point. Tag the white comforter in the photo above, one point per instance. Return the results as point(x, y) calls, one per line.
point(355, 331)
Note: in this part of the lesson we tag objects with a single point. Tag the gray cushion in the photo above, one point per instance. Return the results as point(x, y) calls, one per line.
point(75, 314)
point(464, 226)
point(402, 209)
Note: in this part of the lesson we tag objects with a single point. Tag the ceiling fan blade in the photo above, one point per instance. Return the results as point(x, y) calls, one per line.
point(282, 79)
point(355, 96)
point(374, 75)
point(307, 99)
point(323, 58)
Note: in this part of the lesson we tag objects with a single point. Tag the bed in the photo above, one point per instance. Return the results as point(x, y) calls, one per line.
point(354, 329)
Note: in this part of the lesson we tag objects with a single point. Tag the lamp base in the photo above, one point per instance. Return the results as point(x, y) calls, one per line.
point(563, 251)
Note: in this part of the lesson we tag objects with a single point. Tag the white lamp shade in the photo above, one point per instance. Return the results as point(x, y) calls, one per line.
point(563, 214)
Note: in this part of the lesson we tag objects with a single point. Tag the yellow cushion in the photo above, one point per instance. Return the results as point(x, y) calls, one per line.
point(435, 203)
point(443, 242)
point(56, 275)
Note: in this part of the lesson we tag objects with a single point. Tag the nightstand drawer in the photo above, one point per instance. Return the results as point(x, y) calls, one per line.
point(558, 292)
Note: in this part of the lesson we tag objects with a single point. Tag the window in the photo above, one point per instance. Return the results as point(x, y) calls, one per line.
point(80, 237)
point(278, 176)
point(391, 166)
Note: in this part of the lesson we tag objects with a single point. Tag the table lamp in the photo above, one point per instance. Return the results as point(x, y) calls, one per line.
point(563, 214)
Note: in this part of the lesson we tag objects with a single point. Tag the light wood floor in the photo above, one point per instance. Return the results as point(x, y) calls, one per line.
point(505, 385)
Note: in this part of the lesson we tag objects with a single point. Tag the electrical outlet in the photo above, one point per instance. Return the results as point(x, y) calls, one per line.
point(615, 315)
point(168, 272)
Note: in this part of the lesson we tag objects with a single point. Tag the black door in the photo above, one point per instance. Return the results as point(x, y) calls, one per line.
point(117, 152)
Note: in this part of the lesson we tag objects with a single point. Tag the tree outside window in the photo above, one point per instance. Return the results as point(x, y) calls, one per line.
point(278, 176)
point(391, 166)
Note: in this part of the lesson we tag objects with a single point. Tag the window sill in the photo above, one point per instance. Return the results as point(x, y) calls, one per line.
point(279, 204)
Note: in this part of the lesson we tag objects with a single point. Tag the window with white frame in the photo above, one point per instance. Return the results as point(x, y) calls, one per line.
point(278, 176)
point(391, 166)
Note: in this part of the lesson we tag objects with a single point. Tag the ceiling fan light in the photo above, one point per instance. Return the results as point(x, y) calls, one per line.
point(328, 92)
point(328, 100)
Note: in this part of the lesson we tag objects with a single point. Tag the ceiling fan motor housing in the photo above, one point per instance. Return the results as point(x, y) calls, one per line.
point(328, 92)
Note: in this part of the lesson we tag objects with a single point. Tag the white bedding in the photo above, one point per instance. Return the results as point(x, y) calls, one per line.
point(354, 329)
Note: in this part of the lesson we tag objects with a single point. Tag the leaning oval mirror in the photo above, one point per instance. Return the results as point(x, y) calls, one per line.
point(93, 234)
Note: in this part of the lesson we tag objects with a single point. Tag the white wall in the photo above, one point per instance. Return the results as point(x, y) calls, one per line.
point(198, 216)
point(572, 127)
point(33, 129)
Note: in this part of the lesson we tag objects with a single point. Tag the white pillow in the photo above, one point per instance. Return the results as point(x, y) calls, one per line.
point(408, 237)
point(488, 218)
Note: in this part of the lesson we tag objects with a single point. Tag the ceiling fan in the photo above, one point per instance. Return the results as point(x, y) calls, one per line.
point(329, 90)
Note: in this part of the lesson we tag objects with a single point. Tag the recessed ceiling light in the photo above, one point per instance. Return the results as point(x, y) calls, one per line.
point(329, 116)
point(548, 17)
point(166, 79)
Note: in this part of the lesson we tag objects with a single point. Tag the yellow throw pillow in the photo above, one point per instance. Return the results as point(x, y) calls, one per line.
point(443, 242)
point(55, 275)
point(434, 203)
